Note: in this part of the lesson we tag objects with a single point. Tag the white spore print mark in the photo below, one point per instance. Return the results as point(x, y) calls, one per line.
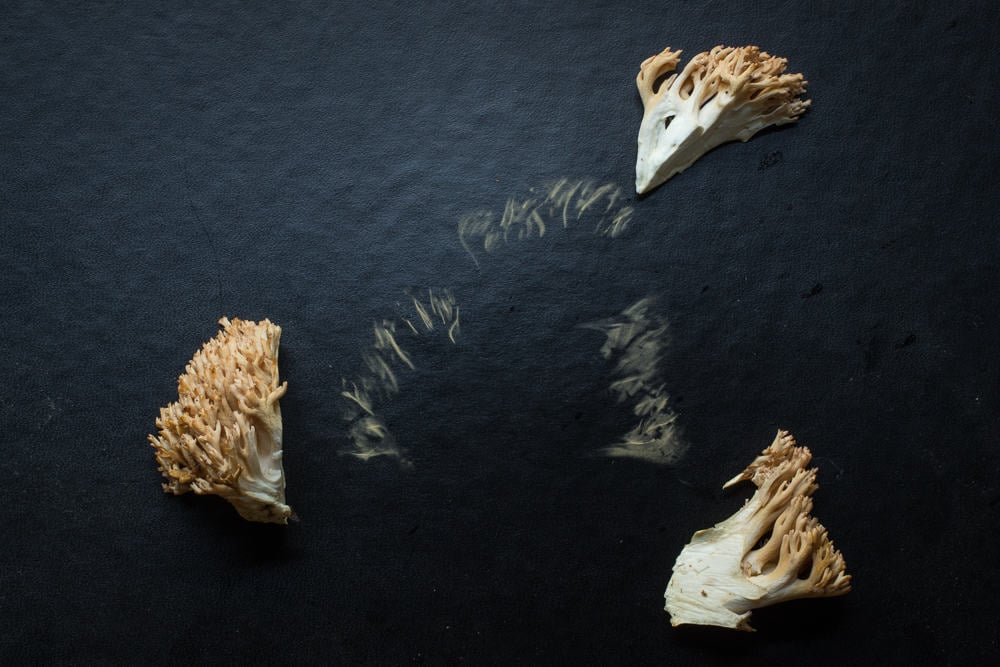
point(635, 340)
point(564, 203)
point(377, 381)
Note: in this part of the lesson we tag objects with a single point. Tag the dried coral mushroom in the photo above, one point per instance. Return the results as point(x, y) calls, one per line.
point(726, 94)
point(223, 435)
point(770, 551)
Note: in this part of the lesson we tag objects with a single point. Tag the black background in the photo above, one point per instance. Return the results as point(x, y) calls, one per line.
point(164, 164)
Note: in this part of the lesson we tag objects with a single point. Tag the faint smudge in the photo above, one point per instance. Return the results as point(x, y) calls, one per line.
point(377, 382)
point(562, 203)
point(635, 340)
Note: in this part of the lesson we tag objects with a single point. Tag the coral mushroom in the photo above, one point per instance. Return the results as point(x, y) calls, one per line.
point(223, 435)
point(726, 94)
point(770, 551)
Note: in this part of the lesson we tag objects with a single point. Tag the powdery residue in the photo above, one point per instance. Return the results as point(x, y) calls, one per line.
point(377, 382)
point(635, 340)
point(563, 203)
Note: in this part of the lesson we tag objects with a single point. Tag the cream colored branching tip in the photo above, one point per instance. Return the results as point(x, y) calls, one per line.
point(223, 435)
point(726, 94)
point(770, 551)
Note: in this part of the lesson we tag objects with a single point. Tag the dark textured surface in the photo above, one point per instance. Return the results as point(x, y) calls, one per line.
point(163, 164)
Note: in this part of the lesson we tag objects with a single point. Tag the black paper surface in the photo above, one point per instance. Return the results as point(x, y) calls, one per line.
point(165, 164)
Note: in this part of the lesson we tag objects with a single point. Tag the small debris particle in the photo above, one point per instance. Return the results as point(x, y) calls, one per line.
point(816, 289)
point(769, 160)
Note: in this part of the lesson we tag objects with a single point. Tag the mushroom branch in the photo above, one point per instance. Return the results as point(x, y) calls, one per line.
point(726, 94)
point(769, 551)
point(223, 435)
